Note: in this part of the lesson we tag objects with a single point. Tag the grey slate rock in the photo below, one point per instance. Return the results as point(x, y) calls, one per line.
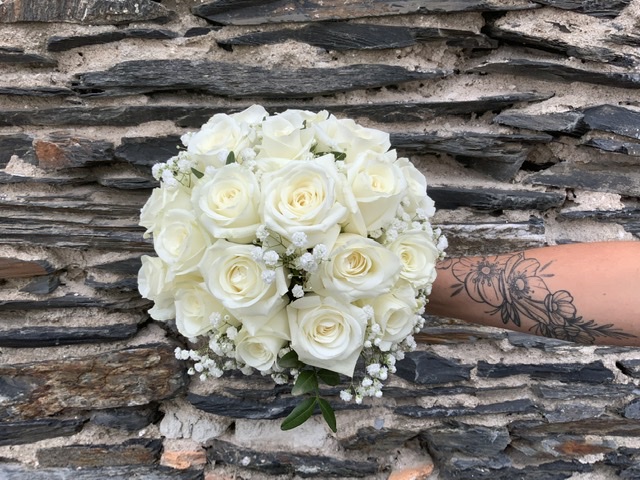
point(13, 144)
point(594, 372)
point(573, 412)
point(124, 301)
point(462, 439)
point(287, 463)
point(632, 410)
point(354, 36)
point(135, 472)
point(425, 368)
point(559, 470)
point(17, 56)
point(377, 439)
point(512, 406)
point(130, 419)
point(147, 151)
point(254, 12)
point(36, 91)
point(519, 339)
point(601, 8)
point(199, 31)
point(569, 123)
point(128, 266)
point(61, 44)
point(577, 390)
point(624, 179)
point(557, 72)
point(238, 81)
point(614, 146)
point(243, 408)
point(615, 119)
point(630, 368)
point(42, 285)
point(450, 198)
point(98, 12)
point(29, 431)
point(38, 337)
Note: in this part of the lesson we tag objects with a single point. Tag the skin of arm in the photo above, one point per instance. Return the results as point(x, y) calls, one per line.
point(585, 293)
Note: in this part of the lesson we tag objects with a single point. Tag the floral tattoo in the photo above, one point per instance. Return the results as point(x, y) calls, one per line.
point(515, 288)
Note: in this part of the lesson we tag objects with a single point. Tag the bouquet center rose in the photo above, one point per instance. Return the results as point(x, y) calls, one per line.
point(297, 245)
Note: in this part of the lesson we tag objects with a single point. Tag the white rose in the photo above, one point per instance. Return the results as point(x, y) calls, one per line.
point(251, 116)
point(327, 334)
point(284, 136)
point(260, 350)
point(345, 135)
point(227, 203)
point(418, 255)
point(162, 200)
point(378, 187)
point(235, 278)
point(357, 267)
point(194, 307)
point(395, 313)
point(304, 197)
point(220, 135)
point(416, 193)
point(180, 241)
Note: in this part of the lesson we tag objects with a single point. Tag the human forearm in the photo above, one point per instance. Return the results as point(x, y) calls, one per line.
point(586, 293)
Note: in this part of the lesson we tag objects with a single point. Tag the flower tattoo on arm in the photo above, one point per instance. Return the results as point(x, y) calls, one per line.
point(514, 287)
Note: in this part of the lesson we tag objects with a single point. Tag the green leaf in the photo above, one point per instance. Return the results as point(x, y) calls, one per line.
point(231, 158)
point(329, 377)
point(197, 173)
point(328, 414)
point(290, 360)
point(339, 155)
point(307, 382)
point(300, 414)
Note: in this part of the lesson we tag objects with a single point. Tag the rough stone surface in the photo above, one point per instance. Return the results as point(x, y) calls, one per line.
point(425, 368)
point(27, 431)
point(594, 372)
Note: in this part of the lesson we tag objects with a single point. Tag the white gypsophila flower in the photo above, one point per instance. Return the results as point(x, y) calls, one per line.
point(299, 239)
point(366, 382)
point(156, 170)
point(215, 319)
point(373, 369)
point(297, 291)
point(257, 253)
point(178, 353)
point(320, 252)
point(442, 243)
point(270, 258)
point(307, 262)
point(268, 276)
point(231, 332)
point(346, 396)
point(262, 233)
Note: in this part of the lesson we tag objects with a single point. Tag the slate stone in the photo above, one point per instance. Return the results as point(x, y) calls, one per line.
point(450, 198)
point(238, 81)
point(557, 72)
point(130, 419)
point(630, 367)
point(614, 146)
point(147, 151)
point(572, 412)
point(569, 123)
point(594, 372)
point(193, 116)
point(61, 44)
point(559, 470)
point(624, 179)
point(377, 439)
point(63, 150)
point(29, 431)
point(253, 12)
point(146, 472)
point(512, 406)
point(287, 463)
point(13, 144)
point(425, 368)
point(42, 285)
point(133, 182)
point(98, 12)
point(519, 339)
point(603, 426)
point(496, 155)
point(122, 285)
point(359, 36)
point(471, 440)
point(38, 337)
point(17, 56)
point(128, 266)
point(576, 390)
point(625, 39)
point(541, 41)
point(199, 31)
point(124, 301)
point(126, 377)
point(612, 118)
point(36, 91)
point(135, 451)
point(455, 335)
point(601, 8)
point(16, 268)
point(491, 238)
point(632, 410)
point(243, 408)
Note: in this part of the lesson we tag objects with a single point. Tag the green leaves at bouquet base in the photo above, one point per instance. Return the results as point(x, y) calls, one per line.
point(330, 378)
point(231, 158)
point(197, 173)
point(307, 382)
point(300, 414)
point(327, 413)
point(290, 360)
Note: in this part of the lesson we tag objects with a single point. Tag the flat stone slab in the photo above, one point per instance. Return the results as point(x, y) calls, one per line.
point(450, 198)
point(29, 431)
point(62, 44)
point(17, 56)
point(238, 81)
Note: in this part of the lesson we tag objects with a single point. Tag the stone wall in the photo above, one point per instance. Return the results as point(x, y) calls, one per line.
point(525, 116)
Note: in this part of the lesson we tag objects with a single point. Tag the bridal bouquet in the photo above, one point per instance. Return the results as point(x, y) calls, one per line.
point(296, 245)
